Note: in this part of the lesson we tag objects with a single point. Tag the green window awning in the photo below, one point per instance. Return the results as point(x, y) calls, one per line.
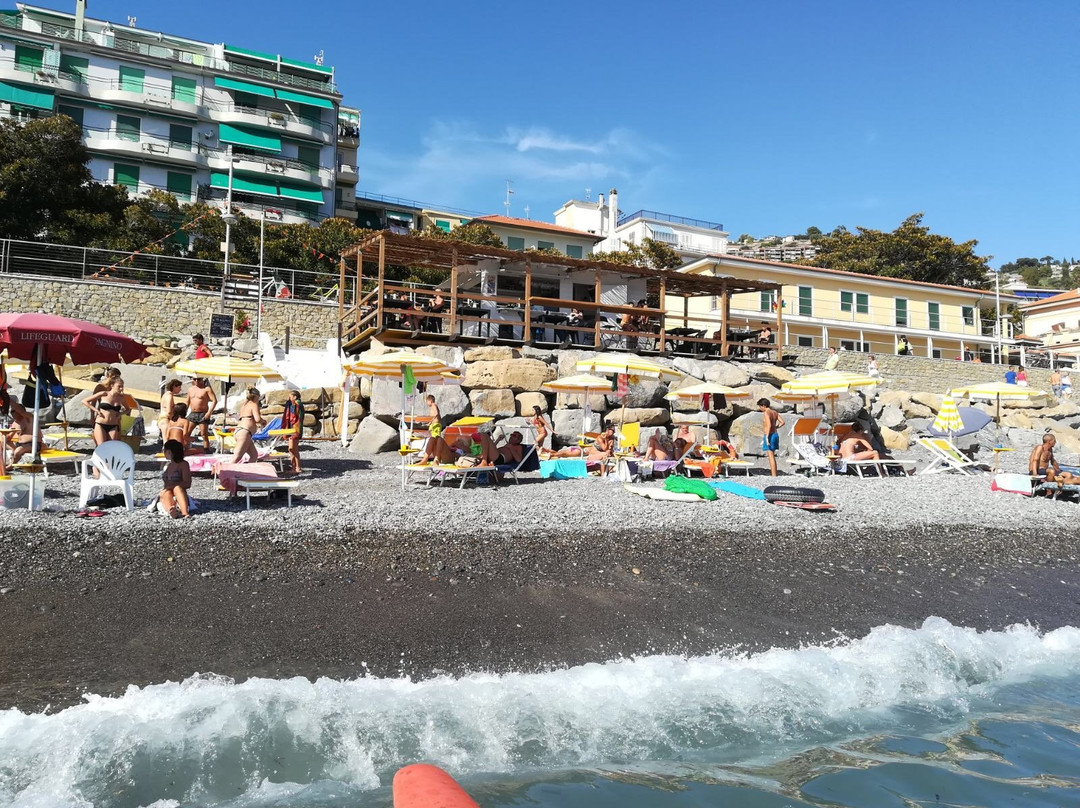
point(301, 193)
point(301, 98)
point(243, 86)
point(244, 184)
point(251, 138)
point(26, 96)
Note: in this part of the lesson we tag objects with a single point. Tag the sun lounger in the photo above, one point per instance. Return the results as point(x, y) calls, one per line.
point(442, 473)
point(882, 466)
point(247, 486)
point(814, 460)
point(946, 457)
point(1056, 490)
point(806, 430)
point(59, 457)
point(738, 465)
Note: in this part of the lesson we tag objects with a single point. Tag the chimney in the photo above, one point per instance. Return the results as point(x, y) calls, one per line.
point(80, 17)
point(613, 212)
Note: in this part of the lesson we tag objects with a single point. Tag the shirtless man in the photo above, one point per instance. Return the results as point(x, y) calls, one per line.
point(856, 447)
point(770, 441)
point(201, 401)
point(1043, 464)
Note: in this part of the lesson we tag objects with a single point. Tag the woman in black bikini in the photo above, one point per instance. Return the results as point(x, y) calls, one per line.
point(110, 406)
point(176, 480)
point(250, 419)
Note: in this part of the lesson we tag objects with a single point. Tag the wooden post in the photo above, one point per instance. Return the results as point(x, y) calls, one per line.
point(526, 335)
point(663, 314)
point(453, 292)
point(686, 312)
point(596, 323)
point(725, 316)
point(341, 289)
point(382, 277)
point(358, 293)
point(779, 323)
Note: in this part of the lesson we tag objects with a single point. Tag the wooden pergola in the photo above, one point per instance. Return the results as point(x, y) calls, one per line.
point(379, 311)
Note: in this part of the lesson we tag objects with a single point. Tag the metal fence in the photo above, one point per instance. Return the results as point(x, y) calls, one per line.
point(145, 269)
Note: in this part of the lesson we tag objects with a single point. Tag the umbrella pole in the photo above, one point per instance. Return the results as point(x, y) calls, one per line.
point(35, 449)
point(63, 407)
point(403, 429)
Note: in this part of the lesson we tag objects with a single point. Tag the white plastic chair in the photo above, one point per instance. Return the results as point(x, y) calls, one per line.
point(114, 461)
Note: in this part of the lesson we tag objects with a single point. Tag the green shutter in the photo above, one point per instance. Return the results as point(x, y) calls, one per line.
point(301, 193)
point(131, 79)
point(901, 311)
point(180, 137)
point(128, 128)
point(183, 89)
point(515, 243)
point(26, 96)
point(933, 312)
point(28, 59)
point(179, 185)
point(862, 303)
point(126, 175)
point(75, 113)
point(443, 225)
point(806, 301)
point(251, 138)
point(574, 251)
point(847, 301)
point(308, 155)
point(545, 245)
point(308, 100)
point(243, 86)
point(74, 66)
point(968, 313)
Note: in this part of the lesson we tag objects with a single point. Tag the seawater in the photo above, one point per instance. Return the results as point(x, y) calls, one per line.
point(935, 716)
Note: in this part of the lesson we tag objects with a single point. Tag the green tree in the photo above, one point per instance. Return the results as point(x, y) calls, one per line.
point(480, 235)
point(813, 233)
point(46, 191)
point(650, 253)
point(147, 225)
point(911, 252)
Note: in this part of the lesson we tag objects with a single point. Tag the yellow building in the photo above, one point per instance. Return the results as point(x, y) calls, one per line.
point(1055, 321)
point(849, 311)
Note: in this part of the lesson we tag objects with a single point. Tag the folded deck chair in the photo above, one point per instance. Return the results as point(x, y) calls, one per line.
point(814, 460)
point(628, 436)
point(946, 457)
point(881, 466)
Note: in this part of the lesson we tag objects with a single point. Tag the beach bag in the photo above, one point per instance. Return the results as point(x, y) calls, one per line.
point(467, 462)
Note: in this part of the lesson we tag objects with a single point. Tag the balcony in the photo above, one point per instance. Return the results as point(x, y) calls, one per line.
point(281, 78)
point(347, 174)
point(271, 166)
point(345, 209)
point(144, 147)
point(656, 216)
point(154, 98)
point(277, 121)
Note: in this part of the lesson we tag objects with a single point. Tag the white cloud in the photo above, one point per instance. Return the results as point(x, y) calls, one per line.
point(461, 165)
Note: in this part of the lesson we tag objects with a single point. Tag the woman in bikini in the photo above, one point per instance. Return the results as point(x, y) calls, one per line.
point(176, 480)
point(175, 428)
point(23, 422)
point(541, 428)
point(111, 404)
point(249, 421)
point(293, 418)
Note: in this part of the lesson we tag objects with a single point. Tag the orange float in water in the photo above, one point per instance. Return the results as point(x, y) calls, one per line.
point(424, 786)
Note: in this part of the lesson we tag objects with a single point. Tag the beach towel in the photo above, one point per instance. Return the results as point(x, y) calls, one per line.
point(1011, 483)
point(738, 489)
point(684, 485)
point(563, 469)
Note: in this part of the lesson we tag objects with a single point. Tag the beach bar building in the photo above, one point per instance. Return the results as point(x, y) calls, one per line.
point(494, 295)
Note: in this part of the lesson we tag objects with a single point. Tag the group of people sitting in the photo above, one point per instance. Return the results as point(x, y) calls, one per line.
point(661, 446)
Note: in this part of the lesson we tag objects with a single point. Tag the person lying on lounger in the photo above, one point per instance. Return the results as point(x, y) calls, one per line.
point(603, 447)
point(857, 447)
point(443, 453)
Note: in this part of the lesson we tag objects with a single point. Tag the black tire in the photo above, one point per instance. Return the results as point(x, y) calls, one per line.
point(789, 493)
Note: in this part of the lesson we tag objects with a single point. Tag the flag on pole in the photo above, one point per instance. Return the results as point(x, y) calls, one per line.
point(624, 386)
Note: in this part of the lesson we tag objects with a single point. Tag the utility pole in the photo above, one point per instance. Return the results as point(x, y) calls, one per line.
point(262, 244)
point(229, 220)
point(997, 296)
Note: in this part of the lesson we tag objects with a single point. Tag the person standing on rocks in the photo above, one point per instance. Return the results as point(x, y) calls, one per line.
point(1055, 383)
point(833, 359)
point(1066, 385)
point(202, 350)
point(771, 423)
point(201, 401)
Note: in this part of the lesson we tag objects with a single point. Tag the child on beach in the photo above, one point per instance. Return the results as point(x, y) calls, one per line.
point(771, 423)
point(176, 479)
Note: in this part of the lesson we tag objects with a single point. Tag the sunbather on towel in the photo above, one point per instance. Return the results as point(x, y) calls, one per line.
point(603, 447)
point(857, 447)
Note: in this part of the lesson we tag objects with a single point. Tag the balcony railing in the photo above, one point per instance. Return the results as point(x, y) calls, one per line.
point(412, 203)
point(283, 78)
point(667, 217)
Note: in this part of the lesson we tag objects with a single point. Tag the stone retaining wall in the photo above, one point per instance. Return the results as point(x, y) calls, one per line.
point(915, 372)
point(144, 311)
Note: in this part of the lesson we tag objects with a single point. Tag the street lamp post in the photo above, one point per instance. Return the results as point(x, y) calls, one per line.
point(262, 244)
point(997, 296)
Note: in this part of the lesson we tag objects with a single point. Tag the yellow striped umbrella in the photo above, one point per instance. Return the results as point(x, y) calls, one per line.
point(229, 369)
point(582, 384)
point(948, 417)
point(997, 391)
point(829, 381)
point(706, 389)
point(626, 363)
point(392, 365)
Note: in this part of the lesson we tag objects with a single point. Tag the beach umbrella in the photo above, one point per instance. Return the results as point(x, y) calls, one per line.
point(996, 392)
point(229, 369)
point(827, 384)
point(972, 420)
point(582, 384)
point(48, 339)
point(948, 417)
point(628, 365)
point(707, 389)
point(409, 367)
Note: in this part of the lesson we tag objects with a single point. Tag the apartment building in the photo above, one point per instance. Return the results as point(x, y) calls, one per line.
point(526, 234)
point(784, 249)
point(691, 238)
point(166, 112)
point(850, 311)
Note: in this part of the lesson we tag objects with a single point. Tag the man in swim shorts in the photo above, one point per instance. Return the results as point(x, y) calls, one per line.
point(771, 423)
point(201, 401)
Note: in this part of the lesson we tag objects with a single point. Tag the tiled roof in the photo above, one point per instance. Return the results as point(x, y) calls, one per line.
point(532, 224)
point(1072, 294)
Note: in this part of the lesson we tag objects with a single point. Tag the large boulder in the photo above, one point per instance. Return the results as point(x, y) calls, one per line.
point(727, 373)
point(568, 360)
point(692, 367)
point(575, 401)
point(931, 401)
point(895, 440)
point(493, 403)
point(543, 354)
point(450, 355)
point(316, 395)
point(845, 408)
point(646, 416)
point(526, 402)
point(896, 398)
point(489, 353)
point(1063, 409)
point(746, 432)
point(372, 437)
point(519, 375)
point(912, 409)
point(1033, 403)
point(891, 417)
point(567, 425)
point(451, 400)
point(643, 393)
point(77, 413)
point(1017, 420)
point(1068, 442)
point(385, 401)
point(770, 374)
point(757, 391)
point(684, 404)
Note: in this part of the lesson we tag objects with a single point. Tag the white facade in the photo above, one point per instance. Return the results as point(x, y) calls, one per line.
point(691, 238)
point(163, 112)
point(527, 234)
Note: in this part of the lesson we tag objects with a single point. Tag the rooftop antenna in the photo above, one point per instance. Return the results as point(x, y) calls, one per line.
point(526, 211)
point(588, 194)
point(319, 57)
point(509, 191)
point(132, 21)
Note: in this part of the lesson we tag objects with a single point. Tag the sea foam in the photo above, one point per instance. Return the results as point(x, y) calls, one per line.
point(211, 741)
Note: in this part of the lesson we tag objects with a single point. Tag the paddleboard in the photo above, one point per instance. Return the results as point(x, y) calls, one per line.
point(661, 493)
point(740, 490)
point(808, 506)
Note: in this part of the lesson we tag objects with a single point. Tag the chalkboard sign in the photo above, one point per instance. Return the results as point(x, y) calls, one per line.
point(221, 325)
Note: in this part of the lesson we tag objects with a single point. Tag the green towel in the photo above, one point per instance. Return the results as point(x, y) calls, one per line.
point(685, 485)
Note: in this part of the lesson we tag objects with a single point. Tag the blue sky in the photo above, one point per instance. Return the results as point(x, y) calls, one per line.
point(768, 117)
